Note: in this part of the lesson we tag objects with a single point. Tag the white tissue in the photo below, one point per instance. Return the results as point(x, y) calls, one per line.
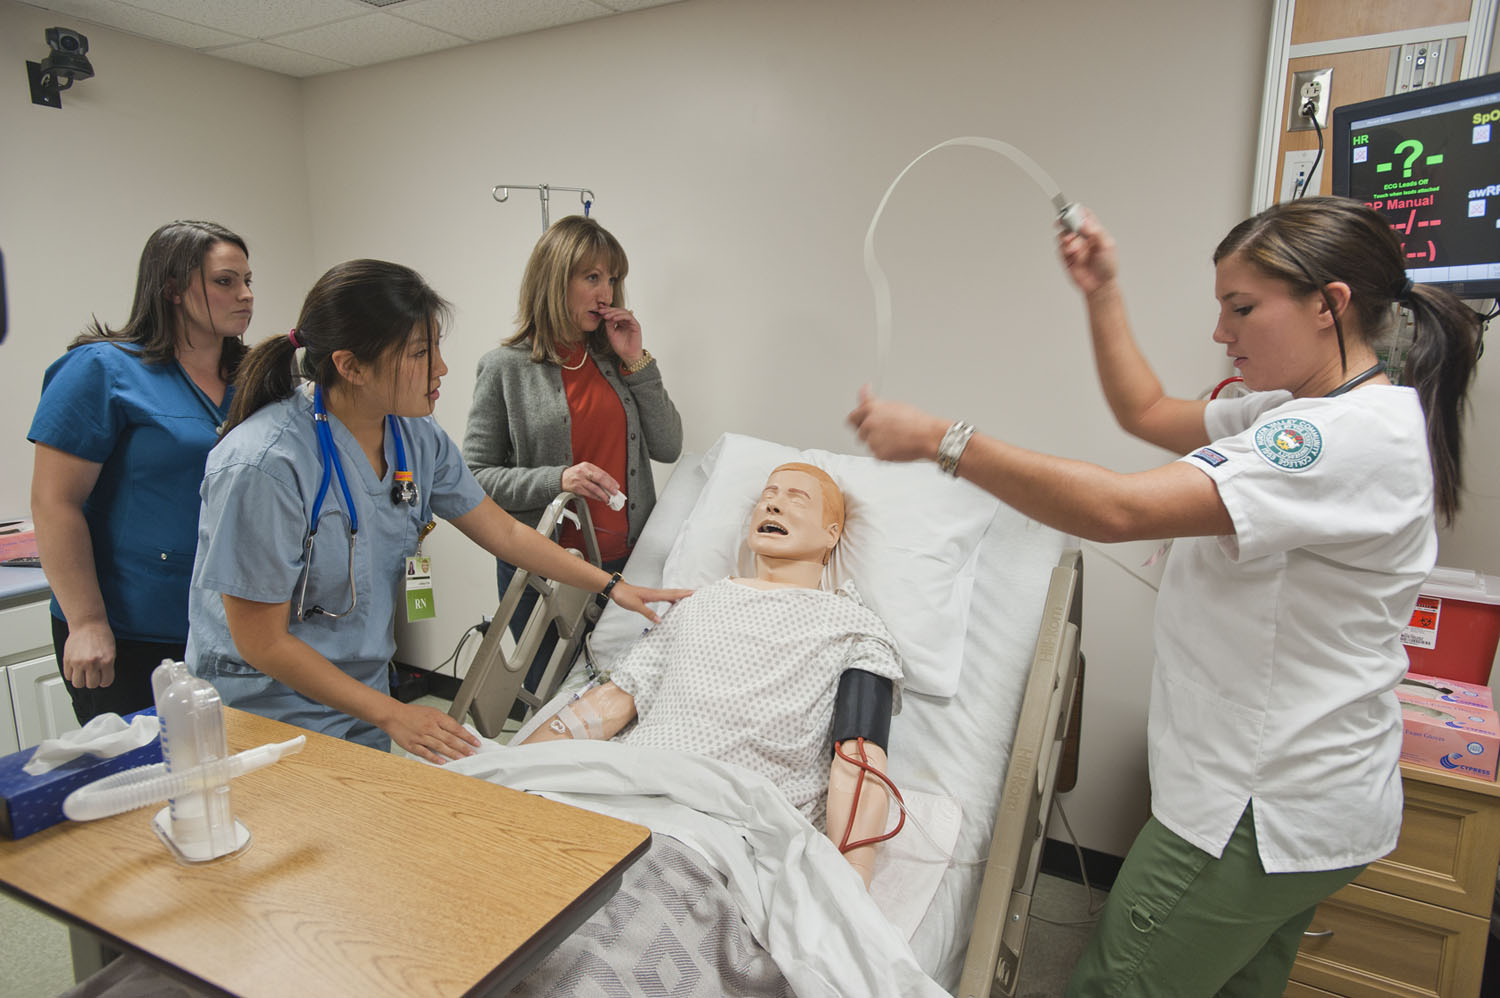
point(104, 737)
point(617, 501)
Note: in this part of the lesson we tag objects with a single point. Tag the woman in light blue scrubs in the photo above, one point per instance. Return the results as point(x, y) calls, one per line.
point(316, 498)
point(126, 419)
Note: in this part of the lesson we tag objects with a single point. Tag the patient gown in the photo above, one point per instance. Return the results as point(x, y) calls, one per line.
point(748, 676)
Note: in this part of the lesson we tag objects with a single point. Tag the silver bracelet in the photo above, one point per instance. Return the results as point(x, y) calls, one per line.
point(952, 447)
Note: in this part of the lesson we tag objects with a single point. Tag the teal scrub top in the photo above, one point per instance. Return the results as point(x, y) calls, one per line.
point(258, 493)
point(150, 428)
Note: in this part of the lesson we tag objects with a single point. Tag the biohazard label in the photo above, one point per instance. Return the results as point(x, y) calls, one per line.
point(1422, 631)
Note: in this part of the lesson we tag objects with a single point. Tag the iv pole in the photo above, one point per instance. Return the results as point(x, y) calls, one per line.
point(501, 192)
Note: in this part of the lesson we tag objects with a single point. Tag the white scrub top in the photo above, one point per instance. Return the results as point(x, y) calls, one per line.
point(1278, 647)
point(258, 492)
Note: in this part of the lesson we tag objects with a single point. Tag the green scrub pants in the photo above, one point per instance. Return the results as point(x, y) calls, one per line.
point(1180, 923)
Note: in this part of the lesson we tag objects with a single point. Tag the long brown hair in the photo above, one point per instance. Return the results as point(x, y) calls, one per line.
point(171, 257)
point(1312, 242)
point(571, 244)
point(368, 307)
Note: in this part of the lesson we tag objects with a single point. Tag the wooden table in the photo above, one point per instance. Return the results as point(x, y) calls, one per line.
point(368, 874)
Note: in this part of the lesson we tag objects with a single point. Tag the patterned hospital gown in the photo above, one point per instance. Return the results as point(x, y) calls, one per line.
point(749, 676)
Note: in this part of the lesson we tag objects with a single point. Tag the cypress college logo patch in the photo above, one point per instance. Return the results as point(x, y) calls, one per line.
point(1290, 444)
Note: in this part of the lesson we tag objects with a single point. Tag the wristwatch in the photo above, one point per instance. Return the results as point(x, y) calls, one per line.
point(640, 363)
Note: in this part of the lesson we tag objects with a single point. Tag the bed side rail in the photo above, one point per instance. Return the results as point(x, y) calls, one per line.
point(494, 680)
point(1002, 914)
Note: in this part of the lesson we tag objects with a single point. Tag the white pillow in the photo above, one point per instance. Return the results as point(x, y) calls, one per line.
point(910, 544)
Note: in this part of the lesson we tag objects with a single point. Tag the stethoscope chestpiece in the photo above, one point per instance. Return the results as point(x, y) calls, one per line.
point(404, 491)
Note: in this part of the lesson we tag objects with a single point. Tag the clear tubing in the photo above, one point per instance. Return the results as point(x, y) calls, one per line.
point(143, 785)
point(1067, 212)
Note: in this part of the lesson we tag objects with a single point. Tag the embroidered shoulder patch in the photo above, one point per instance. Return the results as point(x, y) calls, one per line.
point(1290, 444)
point(1209, 456)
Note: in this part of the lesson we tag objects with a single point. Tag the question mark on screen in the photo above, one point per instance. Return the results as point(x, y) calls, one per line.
point(1416, 150)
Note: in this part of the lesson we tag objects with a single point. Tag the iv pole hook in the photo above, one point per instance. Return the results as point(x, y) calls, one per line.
point(501, 193)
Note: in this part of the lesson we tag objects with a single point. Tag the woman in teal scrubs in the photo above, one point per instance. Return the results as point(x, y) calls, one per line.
point(125, 422)
point(316, 499)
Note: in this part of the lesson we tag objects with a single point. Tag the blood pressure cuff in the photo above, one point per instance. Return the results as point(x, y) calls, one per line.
point(862, 708)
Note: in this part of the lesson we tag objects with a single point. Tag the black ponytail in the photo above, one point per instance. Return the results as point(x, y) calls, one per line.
point(265, 376)
point(367, 307)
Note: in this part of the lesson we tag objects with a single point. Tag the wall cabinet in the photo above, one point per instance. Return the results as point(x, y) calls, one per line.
point(1416, 923)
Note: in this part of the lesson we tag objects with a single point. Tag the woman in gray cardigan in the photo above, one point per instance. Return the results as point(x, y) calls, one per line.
point(572, 402)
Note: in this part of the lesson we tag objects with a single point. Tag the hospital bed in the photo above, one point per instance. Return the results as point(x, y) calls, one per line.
point(494, 680)
point(988, 748)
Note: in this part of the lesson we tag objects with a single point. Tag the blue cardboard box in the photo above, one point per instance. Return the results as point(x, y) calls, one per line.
point(31, 803)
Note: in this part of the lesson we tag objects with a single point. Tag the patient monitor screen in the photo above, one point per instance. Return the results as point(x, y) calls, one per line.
point(1430, 162)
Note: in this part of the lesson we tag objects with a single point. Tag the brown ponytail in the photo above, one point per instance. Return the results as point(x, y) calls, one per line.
point(1440, 366)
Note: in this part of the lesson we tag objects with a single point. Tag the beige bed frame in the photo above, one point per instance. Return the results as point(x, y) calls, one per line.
point(494, 683)
point(494, 680)
point(1003, 913)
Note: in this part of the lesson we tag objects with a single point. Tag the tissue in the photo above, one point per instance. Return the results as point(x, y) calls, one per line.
point(104, 737)
point(31, 802)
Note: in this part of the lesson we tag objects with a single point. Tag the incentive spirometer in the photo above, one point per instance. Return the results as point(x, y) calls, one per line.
point(198, 823)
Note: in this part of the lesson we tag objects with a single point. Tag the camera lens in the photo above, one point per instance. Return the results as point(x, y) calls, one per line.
point(69, 42)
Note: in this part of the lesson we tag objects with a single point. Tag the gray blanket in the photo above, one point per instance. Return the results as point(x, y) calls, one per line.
point(671, 929)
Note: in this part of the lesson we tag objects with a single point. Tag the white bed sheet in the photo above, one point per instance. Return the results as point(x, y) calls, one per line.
point(957, 746)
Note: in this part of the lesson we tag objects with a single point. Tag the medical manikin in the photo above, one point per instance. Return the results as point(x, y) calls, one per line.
point(770, 672)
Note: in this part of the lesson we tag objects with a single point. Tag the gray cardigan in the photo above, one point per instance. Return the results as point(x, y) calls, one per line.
point(519, 442)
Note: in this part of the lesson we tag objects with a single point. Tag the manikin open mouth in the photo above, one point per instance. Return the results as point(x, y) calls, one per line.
point(771, 527)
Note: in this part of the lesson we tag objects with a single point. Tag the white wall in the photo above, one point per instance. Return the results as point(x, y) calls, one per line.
point(159, 133)
point(738, 150)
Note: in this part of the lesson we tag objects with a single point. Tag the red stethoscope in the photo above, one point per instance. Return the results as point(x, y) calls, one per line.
point(1223, 385)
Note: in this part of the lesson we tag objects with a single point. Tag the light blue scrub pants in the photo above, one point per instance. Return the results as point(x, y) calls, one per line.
point(1180, 923)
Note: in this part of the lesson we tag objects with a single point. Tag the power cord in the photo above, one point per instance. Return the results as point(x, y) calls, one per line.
point(480, 628)
point(1093, 910)
point(1310, 112)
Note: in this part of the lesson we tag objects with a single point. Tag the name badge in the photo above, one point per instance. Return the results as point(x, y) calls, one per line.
point(419, 605)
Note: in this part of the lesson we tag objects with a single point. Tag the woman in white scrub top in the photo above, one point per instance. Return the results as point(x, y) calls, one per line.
point(1305, 513)
point(304, 637)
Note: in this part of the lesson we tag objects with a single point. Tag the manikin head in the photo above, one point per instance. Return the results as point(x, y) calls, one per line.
point(799, 517)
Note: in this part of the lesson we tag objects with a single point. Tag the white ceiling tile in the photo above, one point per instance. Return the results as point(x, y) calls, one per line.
point(265, 55)
point(319, 36)
point(260, 19)
point(373, 38)
point(145, 23)
point(479, 20)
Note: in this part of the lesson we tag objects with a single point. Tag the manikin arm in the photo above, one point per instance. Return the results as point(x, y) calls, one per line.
point(599, 714)
point(857, 800)
point(868, 818)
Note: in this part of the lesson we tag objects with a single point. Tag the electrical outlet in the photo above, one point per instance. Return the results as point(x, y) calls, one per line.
point(1298, 178)
point(1309, 85)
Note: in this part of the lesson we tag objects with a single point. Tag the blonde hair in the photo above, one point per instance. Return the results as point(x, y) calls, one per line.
point(833, 496)
point(570, 245)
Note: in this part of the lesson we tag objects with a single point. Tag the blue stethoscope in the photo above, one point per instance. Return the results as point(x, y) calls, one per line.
point(404, 492)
